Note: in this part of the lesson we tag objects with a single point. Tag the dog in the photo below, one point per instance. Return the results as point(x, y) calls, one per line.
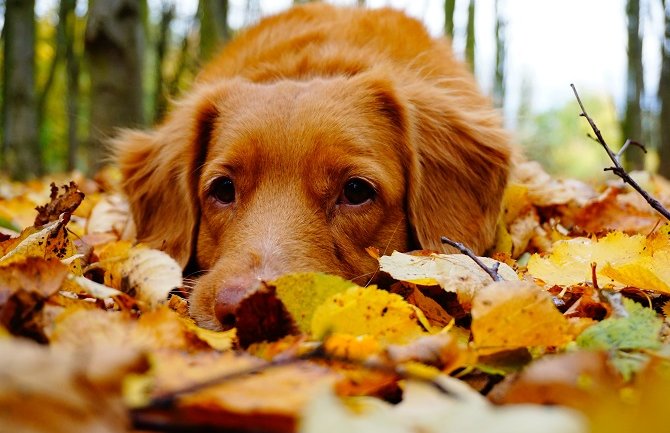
point(313, 135)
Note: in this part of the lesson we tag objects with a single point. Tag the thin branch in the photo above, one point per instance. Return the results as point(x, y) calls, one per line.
point(167, 400)
point(618, 169)
point(492, 271)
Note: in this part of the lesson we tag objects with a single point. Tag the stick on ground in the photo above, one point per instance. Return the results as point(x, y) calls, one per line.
point(616, 159)
point(492, 271)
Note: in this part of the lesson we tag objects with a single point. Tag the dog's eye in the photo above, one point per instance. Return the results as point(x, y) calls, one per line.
point(223, 190)
point(357, 191)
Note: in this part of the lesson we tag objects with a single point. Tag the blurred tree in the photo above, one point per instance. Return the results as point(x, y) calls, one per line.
point(115, 52)
point(161, 95)
point(501, 49)
point(470, 36)
point(360, 3)
point(449, 8)
point(664, 97)
point(214, 29)
point(64, 50)
point(68, 16)
point(21, 152)
point(632, 124)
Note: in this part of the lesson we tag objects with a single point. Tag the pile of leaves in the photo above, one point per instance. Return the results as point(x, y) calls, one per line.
point(573, 337)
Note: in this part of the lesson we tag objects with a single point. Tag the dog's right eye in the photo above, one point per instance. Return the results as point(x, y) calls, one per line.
point(223, 190)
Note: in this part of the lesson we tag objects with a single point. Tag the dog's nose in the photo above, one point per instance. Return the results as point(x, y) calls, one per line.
point(229, 297)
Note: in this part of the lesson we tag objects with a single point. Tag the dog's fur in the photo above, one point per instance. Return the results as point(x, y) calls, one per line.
point(289, 111)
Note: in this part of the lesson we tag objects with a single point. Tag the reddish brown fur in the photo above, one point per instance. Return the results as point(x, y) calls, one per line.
point(290, 110)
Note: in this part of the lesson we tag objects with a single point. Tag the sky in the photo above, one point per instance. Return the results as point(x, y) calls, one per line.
point(550, 43)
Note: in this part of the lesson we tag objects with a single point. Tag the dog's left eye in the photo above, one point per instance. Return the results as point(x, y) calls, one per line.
point(357, 191)
point(223, 190)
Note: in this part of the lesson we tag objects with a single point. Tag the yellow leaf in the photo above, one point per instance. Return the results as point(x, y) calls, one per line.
point(510, 315)
point(453, 272)
point(352, 347)
point(367, 311)
point(51, 241)
point(621, 260)
point(144, 273)
point(302, 293)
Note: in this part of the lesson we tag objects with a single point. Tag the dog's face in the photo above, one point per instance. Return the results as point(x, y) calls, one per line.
point(251, 181)
point(295, 179)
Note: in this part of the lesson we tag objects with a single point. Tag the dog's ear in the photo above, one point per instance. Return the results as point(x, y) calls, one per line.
point(459, 168)
point(160, 170)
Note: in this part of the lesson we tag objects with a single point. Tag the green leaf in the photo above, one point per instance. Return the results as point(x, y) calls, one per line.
point(640, 330)
point(302, 293)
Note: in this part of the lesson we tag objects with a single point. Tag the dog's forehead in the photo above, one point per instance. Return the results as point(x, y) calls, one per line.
point(290, 120)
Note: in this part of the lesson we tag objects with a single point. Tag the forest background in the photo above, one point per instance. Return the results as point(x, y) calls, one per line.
point(74, 71)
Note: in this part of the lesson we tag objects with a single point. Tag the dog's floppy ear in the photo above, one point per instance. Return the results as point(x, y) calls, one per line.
point(459, 168)
point(160, 170)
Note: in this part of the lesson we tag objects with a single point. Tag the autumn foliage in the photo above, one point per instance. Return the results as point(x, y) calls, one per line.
point(95, 333)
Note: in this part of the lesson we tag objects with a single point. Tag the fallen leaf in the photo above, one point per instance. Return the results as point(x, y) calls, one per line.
point(66, 202)
point(302, 293)
point(570, 379)
point(50, 391)
point(146, 274)
point(427, 410)
point(621, 260)
point(509, 315)
point(25, 286)
point(52, 241)
point(270, 400)
point(110, 215)
point(261, 316)
point(367, 311)
point(453, 272)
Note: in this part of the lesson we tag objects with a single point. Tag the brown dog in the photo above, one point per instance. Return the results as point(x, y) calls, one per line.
point(313, 135)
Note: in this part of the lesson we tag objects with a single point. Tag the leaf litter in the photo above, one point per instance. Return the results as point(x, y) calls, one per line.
point(440, 347)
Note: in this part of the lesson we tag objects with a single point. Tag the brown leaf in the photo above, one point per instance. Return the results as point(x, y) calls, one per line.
point(66, 202)
point(57, 392)
point(268, 401)
point(261, 316)
point(24, 288)
point(569, 379)
point(435, 314)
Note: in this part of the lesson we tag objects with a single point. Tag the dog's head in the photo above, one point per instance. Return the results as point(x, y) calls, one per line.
point(249, 181)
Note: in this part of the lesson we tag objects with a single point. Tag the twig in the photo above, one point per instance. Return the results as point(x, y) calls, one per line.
point(167, 400)
point(492, 271)
point(618, 169)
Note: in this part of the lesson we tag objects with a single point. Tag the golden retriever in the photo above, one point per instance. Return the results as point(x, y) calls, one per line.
point(315, 134)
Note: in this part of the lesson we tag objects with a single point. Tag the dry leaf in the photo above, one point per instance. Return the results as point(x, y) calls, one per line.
point(453, 272)
point(367, 311)
point(50, 391)
point(511, 315)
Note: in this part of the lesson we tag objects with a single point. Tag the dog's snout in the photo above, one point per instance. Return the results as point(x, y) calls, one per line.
point(229, 297)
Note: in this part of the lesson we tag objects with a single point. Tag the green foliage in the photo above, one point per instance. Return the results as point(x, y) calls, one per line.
point(637, 331)
point(558, 139)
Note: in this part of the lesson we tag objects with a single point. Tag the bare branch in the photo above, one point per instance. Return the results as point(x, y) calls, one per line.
point(618, 169)
point(492, 271)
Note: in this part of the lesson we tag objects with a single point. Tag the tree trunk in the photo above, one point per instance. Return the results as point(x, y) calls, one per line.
point(21, 138)
point(664, 97)
point(501, 49)
point(214, 30)
point(72, 61)
point(59, 43)
point(115, 51)
point(632, 125)
point(449, 8)
point(470, 37)
point(161, 97)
